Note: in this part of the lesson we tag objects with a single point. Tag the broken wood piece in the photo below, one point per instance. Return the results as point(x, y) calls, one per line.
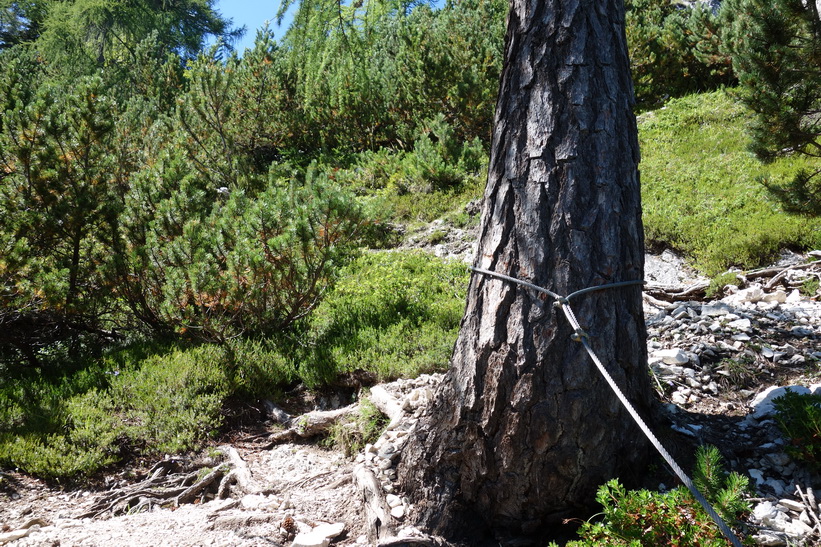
point(312, 424)
point(377, 511)
point(239, 474)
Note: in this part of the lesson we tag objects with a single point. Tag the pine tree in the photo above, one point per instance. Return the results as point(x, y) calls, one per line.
point(776, 51)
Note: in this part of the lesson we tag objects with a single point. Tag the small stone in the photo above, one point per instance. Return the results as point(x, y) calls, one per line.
point(398, 512)
point(767, 353)
point(672, 356)
point(393, 500)
point(330, 531)
point(757, 476)
point(770, 538)
point(792, 505)
point(741, 324)
point(680, 312)
point(310, 539)
point(778, 459)
point(778, 486)
point(797, 529)
point(794, 297)
point(797, 360)
point(715, 309)
point(778, 296)
point(763, 402)
point(679, 398)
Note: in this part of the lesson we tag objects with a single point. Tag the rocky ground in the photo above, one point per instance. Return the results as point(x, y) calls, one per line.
point(715, 363)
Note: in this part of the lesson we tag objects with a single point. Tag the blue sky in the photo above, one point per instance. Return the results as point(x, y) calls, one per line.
point(252, 14)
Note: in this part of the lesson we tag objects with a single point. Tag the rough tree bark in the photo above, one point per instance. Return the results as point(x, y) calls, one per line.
point(523, 429)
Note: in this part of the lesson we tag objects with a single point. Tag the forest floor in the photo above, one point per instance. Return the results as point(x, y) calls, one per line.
point(306, 485)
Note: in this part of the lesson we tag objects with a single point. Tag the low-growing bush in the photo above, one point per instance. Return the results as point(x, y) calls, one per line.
point(160, 403)
point(392, 313)
point(645, 518)
point(799, 417)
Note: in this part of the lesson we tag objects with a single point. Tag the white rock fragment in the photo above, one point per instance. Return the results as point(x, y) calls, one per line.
point(398, 512)
point(792, 505)
point(758, 477)
point(770, 538)
point(715, 309)
point(763, 402)
point(672, 356)
point(330, 531)
point(310, 539)
point(778, 296)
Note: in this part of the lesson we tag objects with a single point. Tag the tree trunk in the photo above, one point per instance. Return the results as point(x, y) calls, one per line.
point(523, 429)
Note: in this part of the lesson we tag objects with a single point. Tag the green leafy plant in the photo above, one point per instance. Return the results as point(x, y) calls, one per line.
point(701, 203)
point(810, 286)
point(799, 417)
point(638, 518)
point(718, 283)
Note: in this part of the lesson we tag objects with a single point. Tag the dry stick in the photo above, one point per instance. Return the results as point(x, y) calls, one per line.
point(805, 498)
point(311, 424)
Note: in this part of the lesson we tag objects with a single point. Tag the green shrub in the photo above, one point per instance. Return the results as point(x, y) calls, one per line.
point(720, 281)
point(132, 401)
point(392, 313)
point(260, 368)
point(639, 518)
point(674, 50)
point(172, 403)
point(799, 417)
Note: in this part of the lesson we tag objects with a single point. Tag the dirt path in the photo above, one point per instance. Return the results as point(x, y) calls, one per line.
point(307, 484)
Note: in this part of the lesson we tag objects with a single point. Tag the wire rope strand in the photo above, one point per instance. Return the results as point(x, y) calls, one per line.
point(517, 281)
point(607, 286)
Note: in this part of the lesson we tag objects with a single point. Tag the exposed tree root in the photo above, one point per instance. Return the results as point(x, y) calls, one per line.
point(377, 512)
point(163, 487)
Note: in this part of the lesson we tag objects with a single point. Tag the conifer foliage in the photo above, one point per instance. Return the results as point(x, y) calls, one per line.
point(776, 51)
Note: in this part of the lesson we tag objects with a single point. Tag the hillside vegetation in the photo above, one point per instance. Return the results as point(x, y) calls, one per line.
point(182, 229)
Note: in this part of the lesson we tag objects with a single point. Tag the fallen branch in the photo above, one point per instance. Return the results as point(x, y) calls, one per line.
point(676, 294)
point(386, 403)
point(811, 508)
point(428, 541)
point(308, 425)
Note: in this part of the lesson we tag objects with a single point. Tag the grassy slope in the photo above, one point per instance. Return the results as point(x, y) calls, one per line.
point(700, 186)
